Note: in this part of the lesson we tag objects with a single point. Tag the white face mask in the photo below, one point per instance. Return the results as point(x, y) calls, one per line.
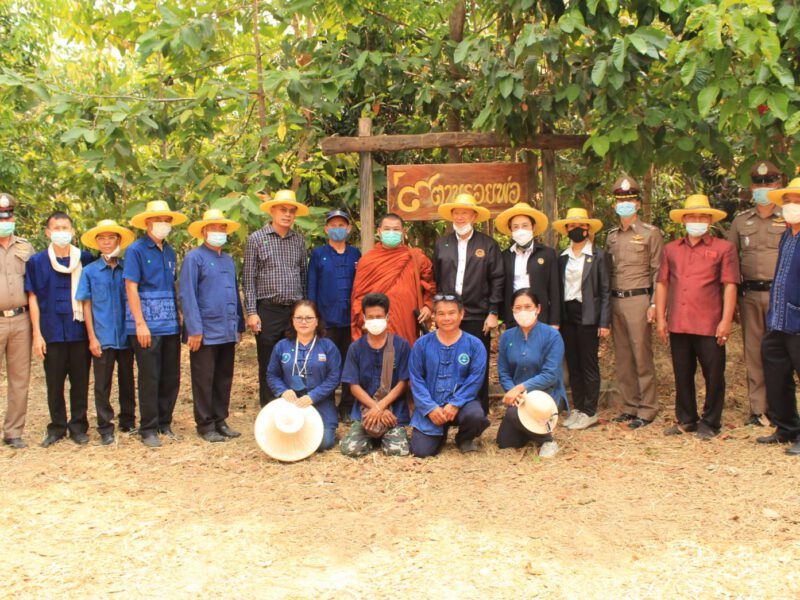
point(791, 213)
point(463, 230)
point(161, 230)
point(526, 318)
point(114, 253)
point(376, 326)
point(522, 236)
point(62, 239)
point(697, 229)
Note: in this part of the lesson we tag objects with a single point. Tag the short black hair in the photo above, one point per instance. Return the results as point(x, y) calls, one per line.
point(526, 291)
point(376, 299)
point(448, 297)
point(394, 216)
point(57, 214)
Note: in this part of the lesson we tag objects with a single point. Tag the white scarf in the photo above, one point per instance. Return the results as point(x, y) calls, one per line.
point(74, 270)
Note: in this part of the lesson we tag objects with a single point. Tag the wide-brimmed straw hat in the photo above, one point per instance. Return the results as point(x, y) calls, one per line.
point(538, 412)
point(283, 197)
point(540, 220)
point(287, 432)
point(776, 196)
point(213, 216)
point(578, 216)
point(464, 201)
point(126, 236)
point(156, 208)
point(697, 204)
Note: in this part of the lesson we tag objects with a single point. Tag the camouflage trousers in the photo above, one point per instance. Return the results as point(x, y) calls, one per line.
point(358, 442)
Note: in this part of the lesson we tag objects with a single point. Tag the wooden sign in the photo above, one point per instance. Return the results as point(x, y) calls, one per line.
point(416, 191)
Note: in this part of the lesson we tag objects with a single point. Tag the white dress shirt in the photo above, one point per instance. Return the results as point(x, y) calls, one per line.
point(521, 256)
point(462, 261)
point(573, 275)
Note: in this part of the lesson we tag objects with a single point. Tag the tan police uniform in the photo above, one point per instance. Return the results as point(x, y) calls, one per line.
point(15, 328)
point(635, 259)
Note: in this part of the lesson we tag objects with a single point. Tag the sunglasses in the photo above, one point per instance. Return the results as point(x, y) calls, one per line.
point(446, 297)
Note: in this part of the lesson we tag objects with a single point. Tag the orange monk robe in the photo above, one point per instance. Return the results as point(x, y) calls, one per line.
point(405, 275)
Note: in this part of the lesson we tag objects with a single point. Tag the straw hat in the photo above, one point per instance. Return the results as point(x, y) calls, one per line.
point(538, 412)
point(212, 216)
point(283, 197)
point(577, 215)
point(697, 204)
point(156, 208)
point(126, 236)
point(540, 220)
point(287, 432)
point(464, 201)
point(776, 196)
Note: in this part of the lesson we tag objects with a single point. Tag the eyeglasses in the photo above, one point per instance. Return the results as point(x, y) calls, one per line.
point(304, 319)
point(446, 297)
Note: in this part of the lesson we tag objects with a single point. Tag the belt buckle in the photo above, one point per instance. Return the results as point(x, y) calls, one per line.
point(9, 313)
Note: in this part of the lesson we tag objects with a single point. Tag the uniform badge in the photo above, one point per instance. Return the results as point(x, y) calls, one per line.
point(4, 201)
point(463, 358)
point(540, 261)
point(638, 238)
point(626, 185)
point(589, 259)
point(322, 357)
point(480, 253)
point(746, 241)
point(763, 169)
point(285, 357)
point(748, 223)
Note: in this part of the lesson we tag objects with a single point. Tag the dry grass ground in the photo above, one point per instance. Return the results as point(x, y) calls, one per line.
point(616, 514)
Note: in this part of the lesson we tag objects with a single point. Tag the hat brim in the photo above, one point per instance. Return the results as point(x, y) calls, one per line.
point(595, 225)
point(677, 214)
point(776, 196)
point(196, 228)
point(501, 222)
point(283, 446)
point(536, 426)
point(302, 209)
point(139, 221)
point(446, 211)
point(89, 239)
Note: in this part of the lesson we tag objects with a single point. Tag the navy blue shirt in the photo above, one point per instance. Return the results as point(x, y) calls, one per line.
point(330, 283)
point(363, 367)
point(210, 297)
point(54, 294)
point(105, 287)
point(784, 297)
point(154, 271)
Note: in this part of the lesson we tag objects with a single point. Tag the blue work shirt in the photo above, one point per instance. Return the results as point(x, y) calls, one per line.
point(322, 375)
point(54, 294)
point(784, 297)
point(442, 375)
point(210, 297)
point(105, 287)
point(363, 367)
point(534, 363)
point(154, 271)
point(330, 283)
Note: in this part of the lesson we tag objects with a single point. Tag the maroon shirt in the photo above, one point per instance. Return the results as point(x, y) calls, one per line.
point(695, 276)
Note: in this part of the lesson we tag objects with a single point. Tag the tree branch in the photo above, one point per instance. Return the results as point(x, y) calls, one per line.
point(394, 21)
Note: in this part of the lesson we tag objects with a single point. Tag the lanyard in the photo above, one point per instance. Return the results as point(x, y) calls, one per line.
point(304, 369)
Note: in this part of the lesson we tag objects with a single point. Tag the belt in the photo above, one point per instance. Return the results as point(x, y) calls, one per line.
point(757, 286)
point(13, 312)
point(630, 293)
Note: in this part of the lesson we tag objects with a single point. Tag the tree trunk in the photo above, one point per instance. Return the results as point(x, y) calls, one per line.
point(456, 23)
point(260, 96)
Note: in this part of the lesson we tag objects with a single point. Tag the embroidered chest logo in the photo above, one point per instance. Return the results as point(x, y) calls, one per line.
point(480, 253)
point(285, 357)
point(463, 358)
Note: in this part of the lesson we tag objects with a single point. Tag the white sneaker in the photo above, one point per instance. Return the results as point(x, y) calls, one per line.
point(548, 450)
point(573, 414)
point(583, 421)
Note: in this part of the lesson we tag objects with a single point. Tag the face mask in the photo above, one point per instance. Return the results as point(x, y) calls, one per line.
point(391, 239)
point(625, 209)
point(577, 234)
point(217, 238)
point(376, 326)
point(760, 196)
point(522, 237)
point(338, 234)
point(62, 239)
point(697, 229)
point(7, 228)
point(463, 230)
point(113, 254)
point(161, 230)
point(526, 318)
point(791, 213)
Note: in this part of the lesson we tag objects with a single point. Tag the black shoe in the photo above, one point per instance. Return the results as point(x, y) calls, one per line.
point(151, 441)
point(754, 420)
point(128, 430)
point(794, 450)
point(624, 417)
point(705, 433)
point(637, 423)
point(50, 440)
point(79, 438)
point(223, 429)
point(167, 431)
point(106, 439)
point(680, 428)
point(468, 446)
point(17, 443)
point(774, 438)
point(212, 436)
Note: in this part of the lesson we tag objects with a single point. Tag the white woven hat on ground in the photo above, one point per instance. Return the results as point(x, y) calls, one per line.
point(538, 412)
point(287, 432)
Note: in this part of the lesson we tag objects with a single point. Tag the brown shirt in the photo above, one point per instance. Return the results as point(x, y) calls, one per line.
point(12, 273)
point(757, 240)
point(635, 255)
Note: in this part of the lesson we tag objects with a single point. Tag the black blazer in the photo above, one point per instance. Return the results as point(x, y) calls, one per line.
point(595, 288)
point(543, 273)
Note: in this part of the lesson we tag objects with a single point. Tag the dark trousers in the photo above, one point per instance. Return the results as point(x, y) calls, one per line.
point(780, 355)
point(687, 349)
point(275, 320)
point(62, 360)
point(159, 381)
point(475, 327)
point(471, 422)
point(212, 377)
point(580, 348)
point(512, 433)
point(342, 337)
point(103, 377)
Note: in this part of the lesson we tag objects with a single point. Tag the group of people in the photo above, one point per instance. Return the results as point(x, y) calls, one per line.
point(405, 336)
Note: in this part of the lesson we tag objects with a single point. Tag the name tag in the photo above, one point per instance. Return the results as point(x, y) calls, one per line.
point(322, 357)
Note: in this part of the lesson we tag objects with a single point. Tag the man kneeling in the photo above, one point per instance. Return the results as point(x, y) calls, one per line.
point(376, 368)
point(446, 371)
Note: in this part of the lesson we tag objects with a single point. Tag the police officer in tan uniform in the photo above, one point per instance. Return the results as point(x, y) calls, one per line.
point(635, 250)
point(15, 322)
point(756, 233)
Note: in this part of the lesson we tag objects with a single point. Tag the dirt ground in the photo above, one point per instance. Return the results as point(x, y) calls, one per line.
point(615, 514)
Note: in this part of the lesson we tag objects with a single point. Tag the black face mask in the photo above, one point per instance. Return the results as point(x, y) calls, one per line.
point(578, 234)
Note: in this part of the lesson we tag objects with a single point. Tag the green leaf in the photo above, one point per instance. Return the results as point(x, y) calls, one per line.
point(757, 96)
point(612, 5)
point(73, 135)
point(638, 42)
point(778, 103)
point(226, 203)
point(599, 71)
point(686, 144)
point(707, 98)
point(90, 136)
point(600, 144)
point(618, 54)
point(190, 38)
point(484, 114)
point(687, 72)
point(461, 51)
point(670, 6)
point(169, 17)
point(506, 86)
point(783, 74)
point(573, 91)
point(792, 125)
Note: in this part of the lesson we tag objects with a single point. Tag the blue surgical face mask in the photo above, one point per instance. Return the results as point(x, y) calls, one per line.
point(7, 228)
point(338, 234)
point(697, 229)
point(391, 239)
point(217, 238)
point(625, 209)
point(760, 196)
point(61, 239)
